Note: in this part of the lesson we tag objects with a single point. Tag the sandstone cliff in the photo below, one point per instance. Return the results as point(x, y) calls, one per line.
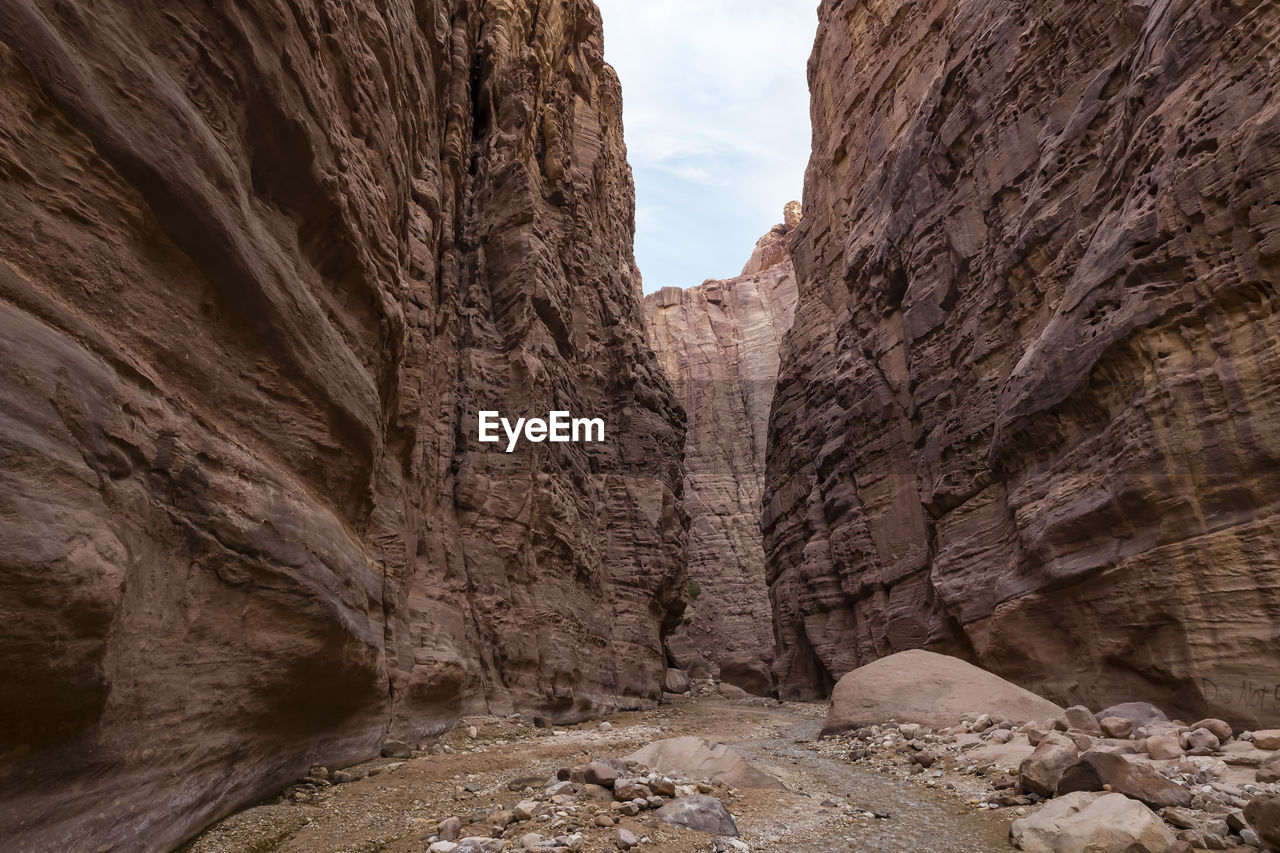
point(718, 343)
point(1029, 410)
point(261, 265)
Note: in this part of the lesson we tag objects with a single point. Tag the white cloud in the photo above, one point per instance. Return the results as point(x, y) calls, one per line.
point(716, 109)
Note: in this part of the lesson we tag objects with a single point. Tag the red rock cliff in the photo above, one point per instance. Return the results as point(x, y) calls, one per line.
point(718, 343)
point(1029, 411)
point(261, 266)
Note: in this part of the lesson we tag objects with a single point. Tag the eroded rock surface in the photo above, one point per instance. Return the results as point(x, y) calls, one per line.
point(718, 343)
point(261, 266)
point(1029, 409)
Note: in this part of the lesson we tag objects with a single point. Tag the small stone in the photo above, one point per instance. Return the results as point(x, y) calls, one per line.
point(606, 726)
point(526, 810)
point(600, 774)
point(342, 777)
point(472, 733)
point(604, 820)
point(396, 749)
point(625, 839)
point(1116, 727)
point(442, 847)
point(449, 829)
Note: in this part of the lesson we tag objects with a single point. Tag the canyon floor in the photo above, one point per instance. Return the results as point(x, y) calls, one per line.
point(830, 803)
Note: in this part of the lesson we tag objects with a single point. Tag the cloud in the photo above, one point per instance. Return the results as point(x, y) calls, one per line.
point(716, 110)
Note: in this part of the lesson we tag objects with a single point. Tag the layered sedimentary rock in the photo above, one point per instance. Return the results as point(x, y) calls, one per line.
point(1029, 410)
point(262, 265)
point(718, 344)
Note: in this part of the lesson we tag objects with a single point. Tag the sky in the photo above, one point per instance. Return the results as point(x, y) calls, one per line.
point(716, 110)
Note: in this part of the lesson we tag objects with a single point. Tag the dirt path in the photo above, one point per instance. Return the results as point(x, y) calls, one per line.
point(825, 809)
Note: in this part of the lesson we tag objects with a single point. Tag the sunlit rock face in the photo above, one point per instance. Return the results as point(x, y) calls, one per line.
point(261, 266)
point(1029, 410)
point(718, 343)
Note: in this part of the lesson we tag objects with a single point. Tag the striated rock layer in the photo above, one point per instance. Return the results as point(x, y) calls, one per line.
point(261, 266)
point(718, 343)
point(1029, 410)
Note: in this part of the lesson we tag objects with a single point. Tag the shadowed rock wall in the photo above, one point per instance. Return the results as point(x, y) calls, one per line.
point(261, 266)
point(1029, 410)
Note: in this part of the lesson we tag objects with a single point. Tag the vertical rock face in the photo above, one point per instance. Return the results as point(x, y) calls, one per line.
point(1029, 410)
point(718, 343)
point(261, 266)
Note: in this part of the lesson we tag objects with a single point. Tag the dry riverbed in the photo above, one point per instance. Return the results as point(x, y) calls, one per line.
point(830, 803)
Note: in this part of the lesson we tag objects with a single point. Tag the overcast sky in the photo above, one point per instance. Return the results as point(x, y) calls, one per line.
point(716, 107)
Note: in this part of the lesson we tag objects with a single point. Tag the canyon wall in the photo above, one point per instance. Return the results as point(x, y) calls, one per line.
point(261, 266)
point(718, 344)
point(1029, 410)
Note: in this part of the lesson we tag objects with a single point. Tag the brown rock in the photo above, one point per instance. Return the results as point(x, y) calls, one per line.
point(1162, 747)
point(1081, 719)
point(1221, 728)
point(675, 681)
point(747, 671)
point(1094, 770)
point(1116, 727)
point(600, 774)
point(696, 758)
point(923, 687)
point(1267, 739)
point(1263, 814)
point(261, 267)
point(1040, 771)
point(1018, 252)
point(1200, 739)
point(718, 344)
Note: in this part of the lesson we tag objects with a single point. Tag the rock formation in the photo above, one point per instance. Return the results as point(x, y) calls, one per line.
point(262, 265)
point(1029, 410)
point(718, 343)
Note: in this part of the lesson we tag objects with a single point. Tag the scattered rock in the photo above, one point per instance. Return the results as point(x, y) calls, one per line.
point(396, 749)
point(1163, 747)
point(1086, 822)
point(675, 681)
point(1267, 739)
point(1138, 713)
point(1040, 771)
point(626, 839)
point(1081, 719)
point(1263, 815)
point(701, 813)
point(696, 758)
point(1221, 728)
point(606, 726)
point(600, 774)
point(1116, 727)
point(449, 829)
point(1094, 770)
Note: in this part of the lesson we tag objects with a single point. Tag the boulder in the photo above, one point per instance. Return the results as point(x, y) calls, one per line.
point(1263, 814)
point(675, 681)
point(732, 691)
point(600, 774)
point(1081, 719)
point(1200, 739)
point(1163, 747)
point(696, 758)
point(1116, 727)
point(1138, 713)
point(1093, 770)
point(748, 672)
point(1040, 771)
point(934, 690)
point(1221, 728)
point(683, 652)
point(1085, 822)
point(1267, 739)
point(699, 812)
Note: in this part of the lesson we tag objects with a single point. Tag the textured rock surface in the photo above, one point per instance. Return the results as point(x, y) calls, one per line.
point(1029, 410)
point(916, 686)
point(718, 343)
point(261, 266)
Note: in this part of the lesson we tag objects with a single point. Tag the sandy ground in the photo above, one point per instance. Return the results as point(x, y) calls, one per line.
point(822, 810)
